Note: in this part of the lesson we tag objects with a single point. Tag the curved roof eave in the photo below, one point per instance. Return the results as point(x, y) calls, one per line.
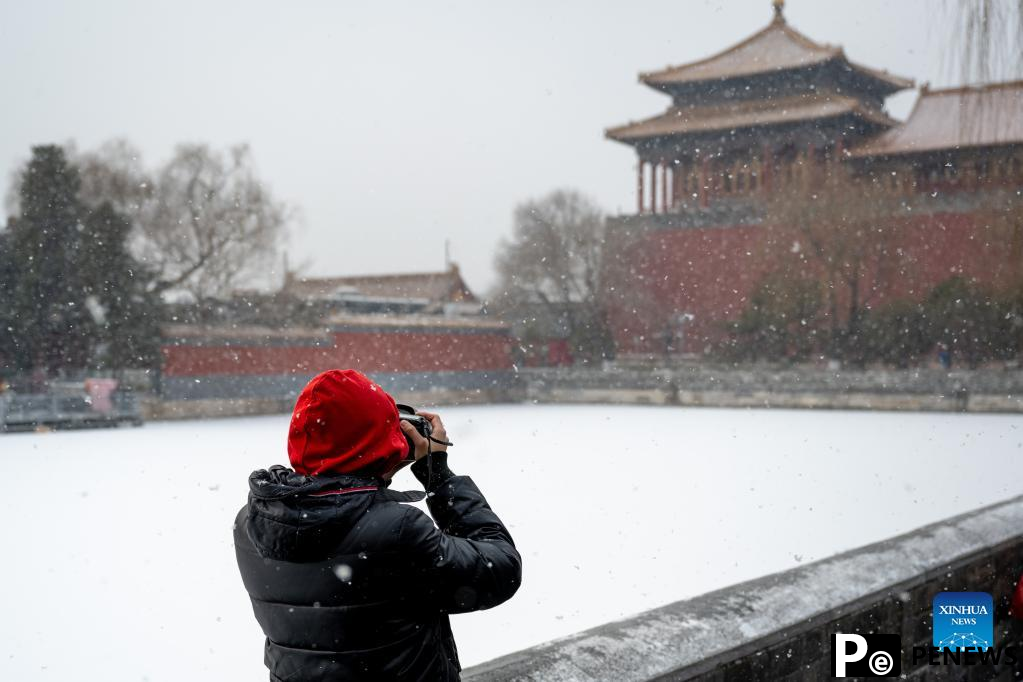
point(777, 37)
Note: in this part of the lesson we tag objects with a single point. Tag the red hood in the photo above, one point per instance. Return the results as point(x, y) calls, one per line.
point(344, 423)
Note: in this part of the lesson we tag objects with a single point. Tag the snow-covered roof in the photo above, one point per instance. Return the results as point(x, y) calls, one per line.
point(748, 114)
point(971, 116)
point(738, 88)
point(173, 332)
point(445, 286)
point(236, 333)
point(777, 47)
point(426, 321)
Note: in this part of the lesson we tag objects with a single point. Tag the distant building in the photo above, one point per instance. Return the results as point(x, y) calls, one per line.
point(413, 333)
point(955, 139)
point(772, 110)
point(442, 292)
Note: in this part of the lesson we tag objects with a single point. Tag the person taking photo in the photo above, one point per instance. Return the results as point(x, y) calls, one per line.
point(347, 581)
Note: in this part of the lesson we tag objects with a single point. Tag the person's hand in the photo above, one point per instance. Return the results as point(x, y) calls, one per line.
point(439, 432)
point(419, 442)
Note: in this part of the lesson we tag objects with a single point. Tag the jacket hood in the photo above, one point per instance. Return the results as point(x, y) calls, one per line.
point(279, 482)
point(344, 423)
point(295, 517)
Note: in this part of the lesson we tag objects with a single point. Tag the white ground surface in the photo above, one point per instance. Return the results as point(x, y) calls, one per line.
point(116, 560)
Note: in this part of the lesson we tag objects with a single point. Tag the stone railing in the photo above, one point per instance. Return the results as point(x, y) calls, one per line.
point(779, 627)
point(791, 387)
point(696, 385)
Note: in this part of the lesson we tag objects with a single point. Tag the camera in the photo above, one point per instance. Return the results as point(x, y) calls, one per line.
point(419, 423)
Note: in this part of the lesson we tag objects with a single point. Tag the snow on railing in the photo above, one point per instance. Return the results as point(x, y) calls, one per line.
point(780, 624)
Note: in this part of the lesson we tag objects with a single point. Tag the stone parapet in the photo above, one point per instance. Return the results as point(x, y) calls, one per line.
point(779, 627)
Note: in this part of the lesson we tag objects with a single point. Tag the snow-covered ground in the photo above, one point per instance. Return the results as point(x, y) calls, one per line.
point(117, 561)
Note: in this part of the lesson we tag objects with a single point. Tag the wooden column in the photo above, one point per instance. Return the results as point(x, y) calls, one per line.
point(836, 161)
point(704, 180)
point(677, 191)
point(653, 187)
point(809, 177)
point(639, 187)
point(664, 186)
point(654, 166)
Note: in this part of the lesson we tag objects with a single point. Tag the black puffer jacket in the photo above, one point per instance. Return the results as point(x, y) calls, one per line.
point(348, 583)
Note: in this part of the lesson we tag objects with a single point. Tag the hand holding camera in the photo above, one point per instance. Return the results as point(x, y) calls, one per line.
point(424, 432)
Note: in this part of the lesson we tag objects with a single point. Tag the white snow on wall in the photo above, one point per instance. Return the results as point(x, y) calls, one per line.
point(664, 640)
point(118, 565)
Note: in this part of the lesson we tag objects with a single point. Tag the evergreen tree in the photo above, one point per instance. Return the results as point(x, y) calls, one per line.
point(53, 328)
point(897, 333)
point(972, 322)
point(7, 322)
point(119, 293)
point(780, 322)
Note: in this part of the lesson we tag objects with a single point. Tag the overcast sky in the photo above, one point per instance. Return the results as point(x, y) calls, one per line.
point(393, 126)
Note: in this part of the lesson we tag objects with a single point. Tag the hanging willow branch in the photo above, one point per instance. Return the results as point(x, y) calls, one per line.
point(986, 39)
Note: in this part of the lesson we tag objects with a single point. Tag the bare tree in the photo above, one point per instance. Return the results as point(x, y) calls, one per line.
point(1003, 225)
point(840, 231)
point(553, 264)
point(203, 221)
point(114, 173)
point(210, 222)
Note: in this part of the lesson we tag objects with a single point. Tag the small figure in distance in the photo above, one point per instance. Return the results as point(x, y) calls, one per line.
point(346, 582)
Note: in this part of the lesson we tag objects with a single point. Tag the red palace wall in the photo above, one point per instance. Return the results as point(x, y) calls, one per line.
point(710, 273)
point(368, 351)
point(226, 363)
